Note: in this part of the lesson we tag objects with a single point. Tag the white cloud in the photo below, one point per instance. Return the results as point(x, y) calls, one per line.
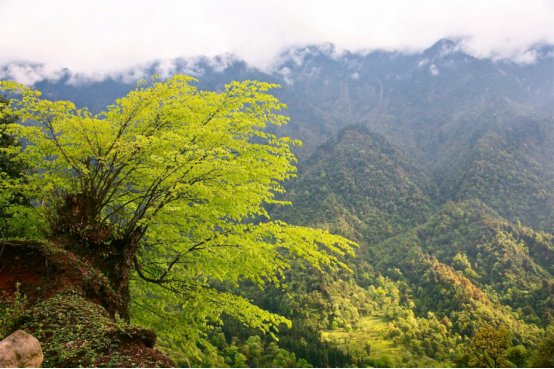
point(29, 74)
point(103, 37)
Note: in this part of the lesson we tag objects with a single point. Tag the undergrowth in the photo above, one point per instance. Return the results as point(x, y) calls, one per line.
point(12, 311)
point(75, 332)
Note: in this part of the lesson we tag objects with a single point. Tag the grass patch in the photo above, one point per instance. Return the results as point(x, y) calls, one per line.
point(368, 340)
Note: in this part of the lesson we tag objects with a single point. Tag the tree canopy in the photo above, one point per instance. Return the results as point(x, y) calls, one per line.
point(168, 188)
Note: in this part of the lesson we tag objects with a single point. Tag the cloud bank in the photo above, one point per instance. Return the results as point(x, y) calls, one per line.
point(103, 37)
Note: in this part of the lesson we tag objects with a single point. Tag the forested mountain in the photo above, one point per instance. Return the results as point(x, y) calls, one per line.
point(439, 164)
point(361, 186)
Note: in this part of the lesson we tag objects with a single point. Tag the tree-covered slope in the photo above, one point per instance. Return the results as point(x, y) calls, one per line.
point(428, 263)
point(436, 286)
point(361, 186)
point(507, 166)
point(481, 257)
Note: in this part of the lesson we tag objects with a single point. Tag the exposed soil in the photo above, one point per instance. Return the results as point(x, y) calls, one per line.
point(47, 272)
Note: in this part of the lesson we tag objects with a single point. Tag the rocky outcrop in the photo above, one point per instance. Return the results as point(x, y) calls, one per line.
point(61, 299)
point(20, 350)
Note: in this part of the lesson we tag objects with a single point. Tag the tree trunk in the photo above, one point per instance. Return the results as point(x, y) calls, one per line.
point(113, 256)
point(118, 268)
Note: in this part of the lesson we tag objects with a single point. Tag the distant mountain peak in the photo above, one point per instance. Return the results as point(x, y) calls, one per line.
point(299, 55)
point(444, 47)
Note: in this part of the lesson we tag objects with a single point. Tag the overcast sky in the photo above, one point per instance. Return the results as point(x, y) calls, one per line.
point(104, 36)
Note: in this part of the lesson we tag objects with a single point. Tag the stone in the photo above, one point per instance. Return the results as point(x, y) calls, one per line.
point(20, 350)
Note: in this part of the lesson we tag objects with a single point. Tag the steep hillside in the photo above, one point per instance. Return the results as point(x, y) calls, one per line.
point(454, 267)
point(436, 286)
point(412, 99)
point(361, 186)
point(508, 167)
point(475, 256)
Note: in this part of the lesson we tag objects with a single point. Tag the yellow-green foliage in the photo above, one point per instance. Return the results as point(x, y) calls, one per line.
point(191, 170)
point(371, 343)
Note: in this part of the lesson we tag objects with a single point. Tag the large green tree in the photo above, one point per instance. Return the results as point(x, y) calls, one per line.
point(169, 185)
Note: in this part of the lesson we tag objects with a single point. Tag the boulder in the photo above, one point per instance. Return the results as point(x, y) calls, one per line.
point(20, 350)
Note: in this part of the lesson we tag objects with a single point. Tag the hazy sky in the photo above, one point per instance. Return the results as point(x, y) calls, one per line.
point(104, 36)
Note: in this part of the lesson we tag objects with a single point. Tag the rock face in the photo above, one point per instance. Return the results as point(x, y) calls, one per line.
point(20, 350)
